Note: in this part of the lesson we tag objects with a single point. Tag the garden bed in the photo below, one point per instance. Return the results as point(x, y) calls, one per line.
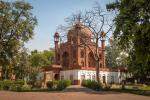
point(19, 86)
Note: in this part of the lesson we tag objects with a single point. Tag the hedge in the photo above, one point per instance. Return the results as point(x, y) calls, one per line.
point(6, 84)
point(91, 84)
point(58, 85)
point(62, 84)
point(11, 85)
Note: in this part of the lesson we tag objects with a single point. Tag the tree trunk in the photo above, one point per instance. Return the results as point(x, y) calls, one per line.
point(4, 72)
point(97, 71)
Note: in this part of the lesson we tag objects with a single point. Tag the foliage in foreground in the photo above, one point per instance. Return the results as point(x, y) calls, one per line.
point(132, 91)
point(91, 84)
point(58, 85)
point(17, 25)
point(115, 57)
point(139, 89)
point(133, 32)
point(12, 85)
point(17, 86)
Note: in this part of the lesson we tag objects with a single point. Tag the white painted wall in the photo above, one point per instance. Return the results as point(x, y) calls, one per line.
point(68, 73)
point(89, 74)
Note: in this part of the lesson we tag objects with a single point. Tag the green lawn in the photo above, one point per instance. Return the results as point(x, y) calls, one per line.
point(135, 89)
point(145, 88)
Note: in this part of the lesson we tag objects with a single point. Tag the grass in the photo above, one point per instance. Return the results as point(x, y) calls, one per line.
point(145, 88)
point(134, 89)
point(37, 90)
point(40, 90)
point(138, 92)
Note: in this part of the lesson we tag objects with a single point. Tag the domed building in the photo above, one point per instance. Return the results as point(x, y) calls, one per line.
point(75, 62)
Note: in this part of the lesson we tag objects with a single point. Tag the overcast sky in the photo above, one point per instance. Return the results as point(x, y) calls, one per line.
point(50, 14)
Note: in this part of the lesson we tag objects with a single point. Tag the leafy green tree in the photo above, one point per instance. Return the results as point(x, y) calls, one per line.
point(16, 27)
point(49, 55)
point(21, 68)
point(39, 59)
point(133, 32)
point(115, 57)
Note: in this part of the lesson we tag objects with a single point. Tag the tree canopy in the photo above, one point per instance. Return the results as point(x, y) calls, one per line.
point(39, 59)
point(133, 32)
point(17, 25)
point(115, 57)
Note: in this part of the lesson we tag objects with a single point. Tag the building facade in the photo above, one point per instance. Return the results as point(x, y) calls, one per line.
point(76, 62)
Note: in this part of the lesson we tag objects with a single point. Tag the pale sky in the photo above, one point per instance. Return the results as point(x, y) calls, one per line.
point(50, 14)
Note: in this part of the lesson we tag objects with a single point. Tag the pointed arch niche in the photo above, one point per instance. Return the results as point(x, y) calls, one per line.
point(65, 59)
point(91, 60)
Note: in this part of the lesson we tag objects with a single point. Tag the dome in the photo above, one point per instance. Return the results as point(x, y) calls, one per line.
point(83, 29)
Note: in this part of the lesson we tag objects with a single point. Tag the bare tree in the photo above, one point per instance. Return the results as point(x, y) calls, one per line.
point(99, 22)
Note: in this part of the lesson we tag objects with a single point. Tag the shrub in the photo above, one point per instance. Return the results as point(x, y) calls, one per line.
point(16, 87)
point(59, 85)
point(38, 84)
point(6, 84)
point(52, 84)
point(68, 82)
point(26, 88)
point(91, 84)
point(20, 88)
point(20, 82)
point(62, 84)
point(13, 85)
point(55, 83)
point(49, 84)
point(0, 85)
point(86, 83)
point(107, 87)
